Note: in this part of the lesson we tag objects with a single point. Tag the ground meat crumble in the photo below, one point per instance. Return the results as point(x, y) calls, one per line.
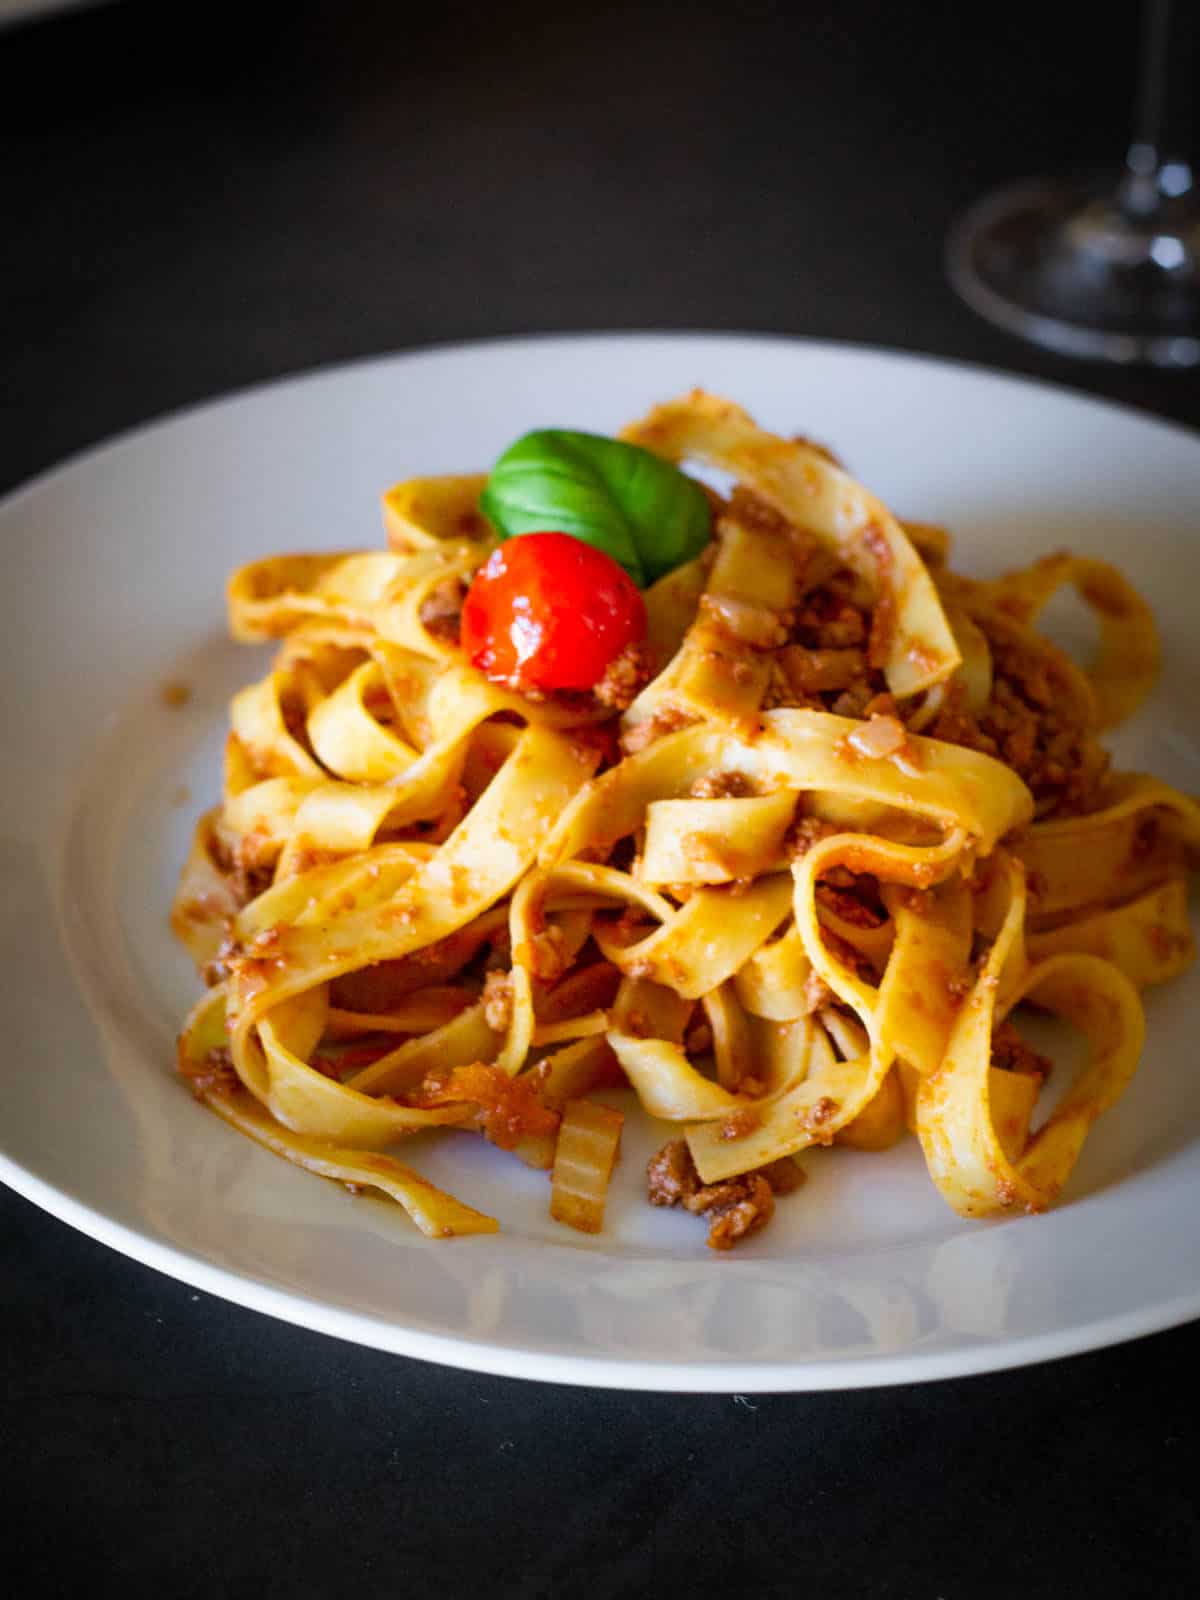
point(668, 719)
point(1010, 1053)
point(735, 1208)
point(804, 833)
point(497, 1001)
point(722, 786)
point(214, 1074)
point(441, 610)
point(549, 957)
point(833, 662)
point(625, 676)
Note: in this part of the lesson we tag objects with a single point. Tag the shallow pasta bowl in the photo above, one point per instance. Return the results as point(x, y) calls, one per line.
point(115, 678)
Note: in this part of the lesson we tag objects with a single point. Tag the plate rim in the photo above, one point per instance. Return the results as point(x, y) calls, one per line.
point(135, 432)
point(641, 1374)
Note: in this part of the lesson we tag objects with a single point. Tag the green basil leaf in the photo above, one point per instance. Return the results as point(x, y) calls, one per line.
point(640, 510)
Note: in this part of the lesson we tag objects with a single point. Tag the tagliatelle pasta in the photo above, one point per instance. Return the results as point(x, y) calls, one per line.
point(787, 872)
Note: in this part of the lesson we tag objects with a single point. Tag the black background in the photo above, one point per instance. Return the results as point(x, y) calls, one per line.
point(196, 197)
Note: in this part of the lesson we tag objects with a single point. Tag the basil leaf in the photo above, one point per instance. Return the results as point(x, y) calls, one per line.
point(640, 510)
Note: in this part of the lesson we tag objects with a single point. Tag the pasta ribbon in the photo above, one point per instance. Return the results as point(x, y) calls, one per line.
point(438, 1215)
point(1149, 938)
point(785, 876)
point(808, 489)
point(1146, 832)
point(966, 1154)
point(1127, 661)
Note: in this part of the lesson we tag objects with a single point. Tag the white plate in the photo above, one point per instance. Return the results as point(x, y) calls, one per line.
point(15, 11)
point(115, 567)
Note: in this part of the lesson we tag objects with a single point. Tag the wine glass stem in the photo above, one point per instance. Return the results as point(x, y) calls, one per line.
point(1158, 165)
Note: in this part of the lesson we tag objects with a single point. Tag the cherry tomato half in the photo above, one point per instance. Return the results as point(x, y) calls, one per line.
point(550, 612)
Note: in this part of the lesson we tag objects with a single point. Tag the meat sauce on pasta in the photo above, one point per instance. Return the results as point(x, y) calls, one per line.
point(827, 818)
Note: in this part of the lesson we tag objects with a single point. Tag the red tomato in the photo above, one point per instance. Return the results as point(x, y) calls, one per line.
point(550, 612)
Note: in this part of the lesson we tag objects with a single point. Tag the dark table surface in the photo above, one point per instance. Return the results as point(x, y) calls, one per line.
point(197, 197)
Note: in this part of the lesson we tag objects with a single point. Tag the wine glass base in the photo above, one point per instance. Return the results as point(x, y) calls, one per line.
point(1066, 266)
